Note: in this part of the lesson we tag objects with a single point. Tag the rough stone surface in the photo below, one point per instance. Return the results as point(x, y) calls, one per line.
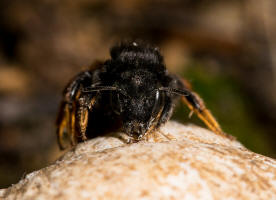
point(193, 164)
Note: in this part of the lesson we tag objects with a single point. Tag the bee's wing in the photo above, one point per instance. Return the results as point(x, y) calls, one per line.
point(70, 115)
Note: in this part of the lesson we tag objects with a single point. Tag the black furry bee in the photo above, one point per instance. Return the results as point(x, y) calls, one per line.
point(133, 91)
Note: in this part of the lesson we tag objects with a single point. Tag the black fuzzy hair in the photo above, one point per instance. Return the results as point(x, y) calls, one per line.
point(136, 53)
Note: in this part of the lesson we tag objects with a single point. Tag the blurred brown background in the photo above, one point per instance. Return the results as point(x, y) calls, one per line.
point(226, 49)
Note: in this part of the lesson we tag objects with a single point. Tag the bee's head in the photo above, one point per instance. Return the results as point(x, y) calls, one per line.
point(137, 101)
point(138, 71)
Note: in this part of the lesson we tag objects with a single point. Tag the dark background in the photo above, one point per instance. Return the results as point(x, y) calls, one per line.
point(226, 49)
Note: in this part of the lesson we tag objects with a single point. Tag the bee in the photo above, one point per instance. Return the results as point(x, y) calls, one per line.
point(132, 91)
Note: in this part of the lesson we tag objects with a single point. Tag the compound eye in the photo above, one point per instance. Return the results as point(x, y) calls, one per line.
point(116, 103)
point(156, 102)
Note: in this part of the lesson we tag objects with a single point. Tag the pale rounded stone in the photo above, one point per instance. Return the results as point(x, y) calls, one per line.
point(193, 164)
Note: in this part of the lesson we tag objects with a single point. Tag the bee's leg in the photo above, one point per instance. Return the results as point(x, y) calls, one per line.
point(196, 105)
point(85, 103)
point(85, 99)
